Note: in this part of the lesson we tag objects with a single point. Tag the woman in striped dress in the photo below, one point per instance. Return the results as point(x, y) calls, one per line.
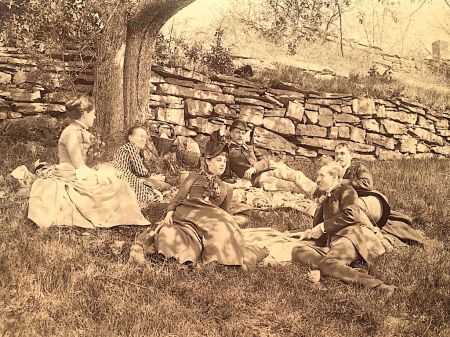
point(129, 164)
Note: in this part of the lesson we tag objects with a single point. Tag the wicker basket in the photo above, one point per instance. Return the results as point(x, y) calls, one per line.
point(162, 145)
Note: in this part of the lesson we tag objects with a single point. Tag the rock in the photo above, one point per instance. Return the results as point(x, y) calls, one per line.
point(424, 123)
point(58, 97)
point(381, 111)
point(173, 116)
point(277, 112)
point(295, 111)
point(428, 136)
point(252, 114)
point(286, 94)
point(333, 132)
point(443, 133)
point(137, 255)
point(442, 124)
point(269, 140)
point(3, 106)
point(240, 93)
point(34, 108)
point(3, 115)
point(271, 99)
point(177, 81)
point(325, 117)
point(408, 144)
point(344, 132)
point(346, 118)
point(25, 95)
point(180, 73)
point(253, 101)
point(202, 125)
point(224, 111)
point(14, 115)
point(117, 247)
point(311, 130)
point(393, 128)
point(383, 154)
point(5, 78)
point(166, 99)
point(156, 79)
point(305, 152)
point(336, 108)
point(358, 135)
point(444, 150)
point(365, 157)
point(207, 87)
point(321, 143)
point(313, 107)
point(313, 276)
point(401, 116)
point(289, 86)
point(312, 116)
point(364, 106)
point(234, 80)
point(212, 97)
point(279, 125)
point(198, 108)
point(370, 125)
point(183, 131)
point(375, 138)
point(347, 109)
point(357, 147)
point(422, 156)
point(421, 147)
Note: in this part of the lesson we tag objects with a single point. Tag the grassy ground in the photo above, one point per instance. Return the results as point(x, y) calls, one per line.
point(69, 282)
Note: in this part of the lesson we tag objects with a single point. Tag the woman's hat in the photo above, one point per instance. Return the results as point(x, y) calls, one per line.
point(214, 148)
point(239, 124)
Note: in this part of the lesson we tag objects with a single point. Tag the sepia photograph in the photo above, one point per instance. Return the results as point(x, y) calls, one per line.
point(254, 168)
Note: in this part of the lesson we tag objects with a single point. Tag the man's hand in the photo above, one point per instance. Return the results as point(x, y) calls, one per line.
point(168, 220)
point(248, 174)
point(315, 233)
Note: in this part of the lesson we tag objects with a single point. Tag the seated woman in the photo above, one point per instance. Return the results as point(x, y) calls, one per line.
point(72, 194)
point(129, 164)
point(197, 227)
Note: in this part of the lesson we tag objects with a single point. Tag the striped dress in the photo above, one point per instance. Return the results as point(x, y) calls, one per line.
point(130, 167)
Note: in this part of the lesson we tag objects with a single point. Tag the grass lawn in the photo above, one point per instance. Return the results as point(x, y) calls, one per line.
point(69, 282)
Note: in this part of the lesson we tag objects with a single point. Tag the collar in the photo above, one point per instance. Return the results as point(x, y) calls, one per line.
point(332, 189)
point(83, 126)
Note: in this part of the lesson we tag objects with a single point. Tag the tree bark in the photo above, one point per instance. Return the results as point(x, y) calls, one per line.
point(125, 55)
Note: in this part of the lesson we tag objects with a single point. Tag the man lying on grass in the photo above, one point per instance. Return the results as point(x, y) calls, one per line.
point(340, 236)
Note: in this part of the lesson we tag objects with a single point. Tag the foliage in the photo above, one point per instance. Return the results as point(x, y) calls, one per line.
point(218, 58)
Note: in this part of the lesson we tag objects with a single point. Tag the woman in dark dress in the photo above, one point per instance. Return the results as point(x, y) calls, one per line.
point(197, 226)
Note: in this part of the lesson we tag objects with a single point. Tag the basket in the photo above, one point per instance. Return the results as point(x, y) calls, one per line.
point(162, 145)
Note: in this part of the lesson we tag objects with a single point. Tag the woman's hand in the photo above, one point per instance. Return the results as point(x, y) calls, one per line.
point(248, 174)
point(168, 220)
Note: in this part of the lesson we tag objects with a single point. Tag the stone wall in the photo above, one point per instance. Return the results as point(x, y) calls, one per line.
point(287, 119)
point(31, 84)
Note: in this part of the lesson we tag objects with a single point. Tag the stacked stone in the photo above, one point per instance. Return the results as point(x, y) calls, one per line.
point(31, 86)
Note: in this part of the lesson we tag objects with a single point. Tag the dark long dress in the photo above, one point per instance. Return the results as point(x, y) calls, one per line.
point(202, 230)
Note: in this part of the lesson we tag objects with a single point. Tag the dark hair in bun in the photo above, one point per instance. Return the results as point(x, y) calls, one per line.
point(76, 106)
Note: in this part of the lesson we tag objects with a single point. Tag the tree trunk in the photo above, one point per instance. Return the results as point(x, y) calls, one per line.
point(125, 55)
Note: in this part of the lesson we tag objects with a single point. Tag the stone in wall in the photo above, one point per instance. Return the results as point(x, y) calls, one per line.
point(234, 80)
point(422, 156)
point(428, 136)
point(327, 144)
point(207, 87)
point(311, 130)
point(156, 79)
point(336, 108)
point(408, 144)
point(347, 109)
point(325, 117)
point(252, 101)
point(305, 152)
point(401, 116)
point(24, 95)
point(312, 116)
point(358, 135)
point(363, 148)
point(277, 112)
point(386, 142)
point(202, 125)
point(424, 123)
point(279, 125)
point(35, 108)
point(184, 131)
point(3, 115)
point(340, 131)
point(183, 83)
point(346, 118)
point(198, 108)
point(444, 133)
point(252, 114)
point(14, 115)
point(421, 147)
point(383, 154)
point(295, 111)
point(269, 140)
point(5, 78)
point(224, 111)
point(169, 115)
point(393, 128)
point(166, 99)
point(444, 150)
point(209, 96)
point(272, 100)
point(381, 111)
point(180, 73)
point(442, 124)
point(313, 107)
point(3, 106)
point(286, 96)
point(364, 106)
point(240, 93)
point(370, 125)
